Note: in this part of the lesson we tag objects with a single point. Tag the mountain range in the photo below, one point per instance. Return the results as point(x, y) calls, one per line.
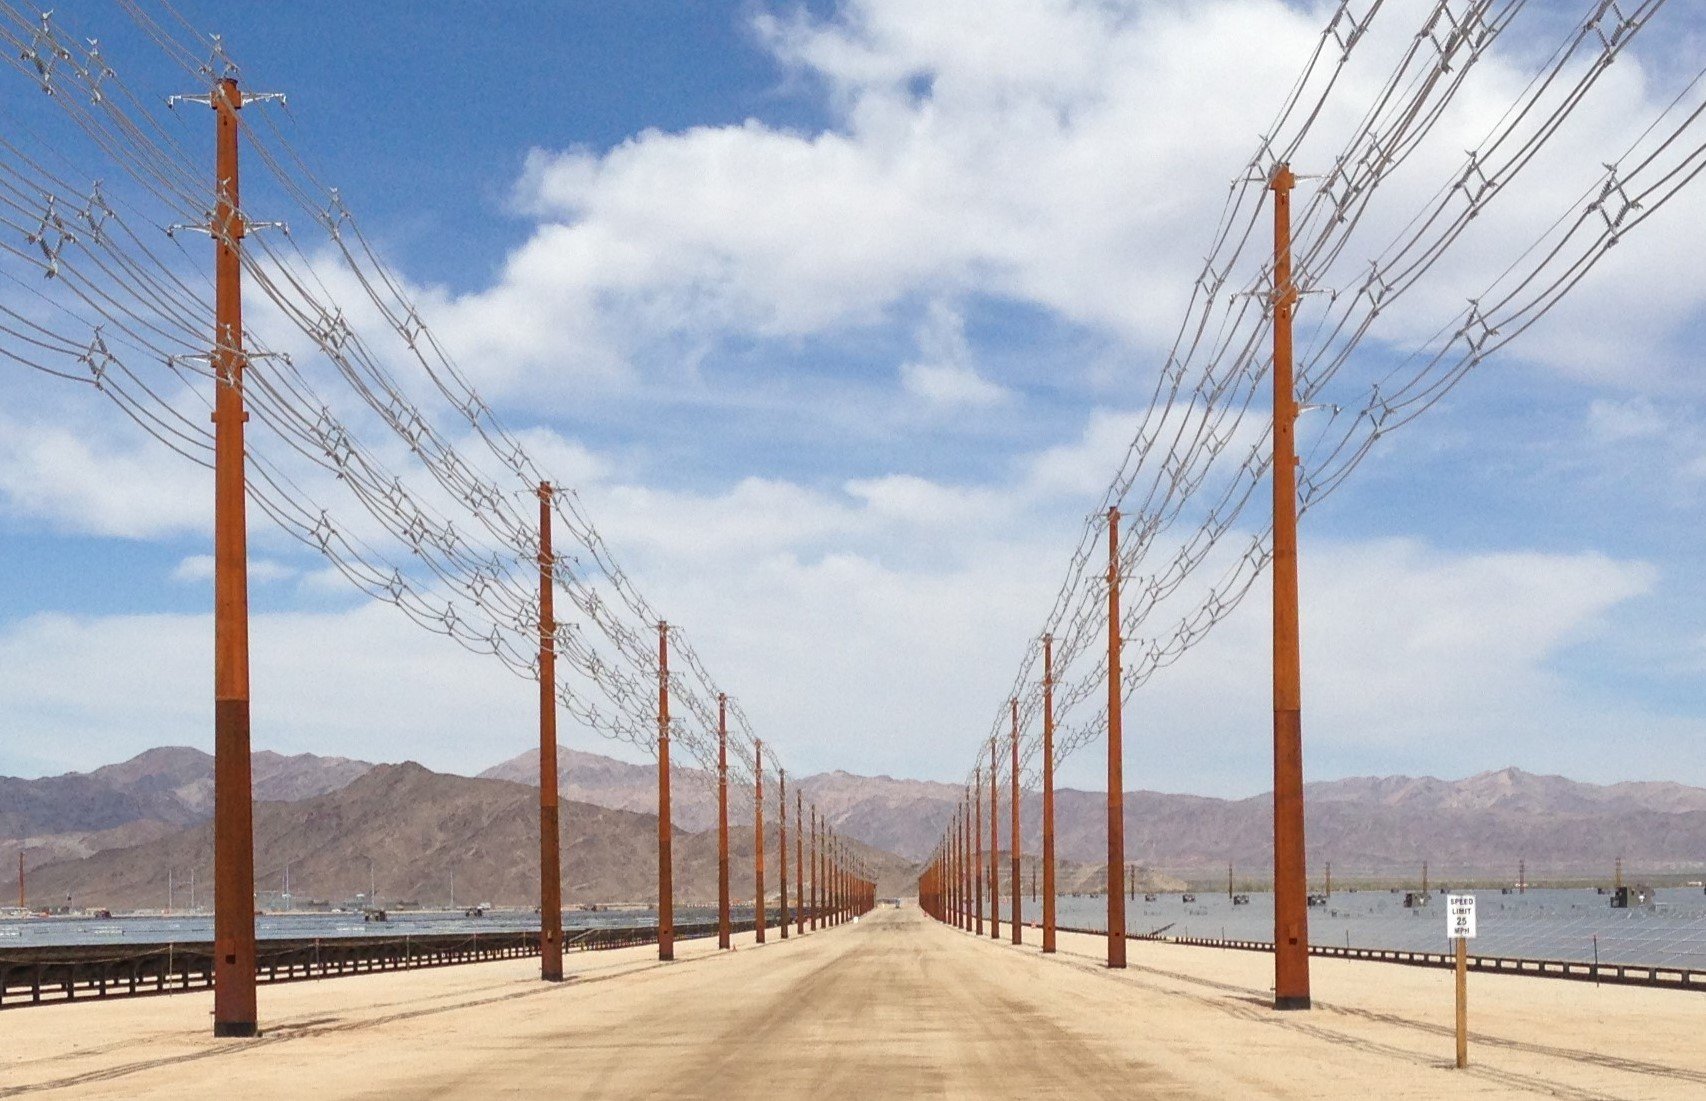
point(418, 836)
point(152, 810)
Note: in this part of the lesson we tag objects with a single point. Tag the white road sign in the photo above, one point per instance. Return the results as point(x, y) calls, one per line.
point(1460, 916)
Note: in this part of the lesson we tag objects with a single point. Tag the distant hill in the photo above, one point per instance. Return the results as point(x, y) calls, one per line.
point(419, 828)
point(172, 784)
point(1368, 826)
point(1480, 826)
point(148, 796)
point(607, 782)
point(900, 816)
point(1376, 826)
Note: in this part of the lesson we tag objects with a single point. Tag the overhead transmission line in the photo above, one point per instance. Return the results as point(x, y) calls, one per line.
point(123, 318)
point(1193, 460)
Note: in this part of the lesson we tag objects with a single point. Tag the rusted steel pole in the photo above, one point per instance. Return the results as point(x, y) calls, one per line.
point(799, 860)
point(233, 795)
point(1291, 888)
point(817, 876)
point(723, 922)
point(994, 844)
point(924, 891)
point(1013, 832)
point(951, 869)
point(825, 849)
point(666, 867)
point(550, 831)
point(1116, 758)
point(954, 869)
point(959, 868)
point(782, 849)
point(1048, 793)
point(953, 883)
point(935, 885)
point(977, 841)
point(758, 916)
point(968, 877)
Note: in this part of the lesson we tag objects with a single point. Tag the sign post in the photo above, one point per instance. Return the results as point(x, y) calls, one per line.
point(1460, 926)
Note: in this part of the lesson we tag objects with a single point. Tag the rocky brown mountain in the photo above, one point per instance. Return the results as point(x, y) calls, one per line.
point(607, 782)
point(419, 835)
point(1372, 826)
point(150, 795)
point(170, 784)
point(1383, 827)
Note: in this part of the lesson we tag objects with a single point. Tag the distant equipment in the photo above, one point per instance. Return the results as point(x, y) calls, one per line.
point(1415, 899)
point(1632, 897)
point(1317, 900)
point(1240, 900)
point(1187, 898)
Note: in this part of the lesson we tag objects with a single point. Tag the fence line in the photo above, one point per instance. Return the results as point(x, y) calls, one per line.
point(1618, 974)
point(49, 974)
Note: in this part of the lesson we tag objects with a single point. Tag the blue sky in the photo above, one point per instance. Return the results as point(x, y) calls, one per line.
point(840, 315)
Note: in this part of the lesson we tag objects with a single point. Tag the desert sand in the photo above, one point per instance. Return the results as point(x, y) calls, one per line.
point(893, 1006)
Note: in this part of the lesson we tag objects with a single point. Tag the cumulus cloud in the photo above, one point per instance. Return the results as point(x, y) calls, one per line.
point(114, 482)
point(199, 568)
point(363, 683)
point(1417, 658)
point(1057, 158)
point(944, 377)
point(1060, 154)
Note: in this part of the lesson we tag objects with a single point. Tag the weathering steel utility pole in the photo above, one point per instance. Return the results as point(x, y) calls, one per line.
point(1116, 761)
point(233, 797)
point(1013, 832)
point(666, 878)
point(1291, 888)
point(722, 820)
point(799, 862)
point(782, 848)
point(758, 838)
point(994, 845)
point(1048, 793)
point(550, 833)
point(977, 839)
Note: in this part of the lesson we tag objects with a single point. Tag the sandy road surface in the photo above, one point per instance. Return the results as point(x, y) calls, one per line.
point(895, 1006)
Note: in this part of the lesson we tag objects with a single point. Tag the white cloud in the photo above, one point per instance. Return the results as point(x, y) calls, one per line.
point(199, 568)
point(1612, 421)
point(1422, 659)
point(1060, 154)
point(109, 483)
point(944, 377)
point(1414, 656)
point(1059, 157)
point(364, 683)
point(949, 385)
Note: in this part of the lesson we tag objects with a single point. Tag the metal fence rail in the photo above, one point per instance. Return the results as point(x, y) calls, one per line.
point(46, 974)
point(1625, 974)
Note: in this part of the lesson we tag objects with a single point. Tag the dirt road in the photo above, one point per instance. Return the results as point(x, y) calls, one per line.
point(894, 1006)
